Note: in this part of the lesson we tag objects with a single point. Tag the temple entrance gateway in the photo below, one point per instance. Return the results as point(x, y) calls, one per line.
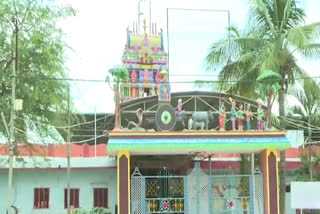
point(196, 193)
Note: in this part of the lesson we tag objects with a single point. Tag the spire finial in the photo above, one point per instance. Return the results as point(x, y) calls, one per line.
point(145, 27)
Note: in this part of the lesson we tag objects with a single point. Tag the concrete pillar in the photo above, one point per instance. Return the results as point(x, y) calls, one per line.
point(123, 182)
point(271, 181)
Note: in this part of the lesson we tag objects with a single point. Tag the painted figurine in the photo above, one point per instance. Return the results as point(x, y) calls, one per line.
point(134, 76)
point(260, 117)
point(222, 117)
point(180, 112)
point(164, 87)
point(233, 113)
point(164, 92)
point(240, 116)
point(248, 117)
point(158, 77)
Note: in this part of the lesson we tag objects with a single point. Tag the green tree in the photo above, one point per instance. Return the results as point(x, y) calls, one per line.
point(32, 42)
point(276, 32)
point(268, 89)
point(308, 108)
point(30, 28)
point(115, 77)
point(303, 172)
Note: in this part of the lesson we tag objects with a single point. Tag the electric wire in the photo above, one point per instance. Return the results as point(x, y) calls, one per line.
point(205, 81)
point(75, 142)
point(301, 127)
point(315, 128)
point(71, 126)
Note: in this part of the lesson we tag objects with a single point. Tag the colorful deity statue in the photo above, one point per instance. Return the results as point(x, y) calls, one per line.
point(164, 87)
point(141, 76)
point(260, 114)
point(248, 117)
point(240, 116)
point(134, 88)
point(133, 76)
point(180, 112)
point(149, 59)
point(158, 80)
point(233, 114)
point(164, 92)
point(222, 116)
point(158, 77)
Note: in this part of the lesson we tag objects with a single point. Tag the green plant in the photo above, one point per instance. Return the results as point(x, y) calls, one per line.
point(100, 210)
point(96, 210)
point(115, 77)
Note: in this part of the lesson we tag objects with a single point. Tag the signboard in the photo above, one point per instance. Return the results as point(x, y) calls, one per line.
point(305, 195)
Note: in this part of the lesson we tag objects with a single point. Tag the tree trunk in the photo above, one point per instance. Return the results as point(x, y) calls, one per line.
point(310, 149)
point(269, 106)
point(282, 170)
point(117, 111)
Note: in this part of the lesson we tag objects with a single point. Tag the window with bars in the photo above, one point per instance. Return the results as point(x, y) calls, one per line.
point(41, 198)
point(100, 197)
point(74, 198)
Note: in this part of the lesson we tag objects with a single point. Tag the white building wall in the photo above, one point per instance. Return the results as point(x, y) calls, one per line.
point(85, 179)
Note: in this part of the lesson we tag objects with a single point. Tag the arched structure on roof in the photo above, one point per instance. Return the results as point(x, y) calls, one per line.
point(193, 101)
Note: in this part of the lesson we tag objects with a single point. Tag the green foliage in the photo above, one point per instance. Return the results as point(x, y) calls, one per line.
point(307, 93)
point(303, 172)
point(40, 48)
point(274, 33)
point(117, 74)
point(97, 210)
point(269, 83)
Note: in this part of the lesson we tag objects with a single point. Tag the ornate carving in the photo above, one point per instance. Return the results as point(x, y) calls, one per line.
point(152, 186)
point(139, 114)
point(165, 118)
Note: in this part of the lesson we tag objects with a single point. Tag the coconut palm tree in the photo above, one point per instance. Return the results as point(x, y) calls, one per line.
point(276, 33)
point(117, 75)
point(308, 108)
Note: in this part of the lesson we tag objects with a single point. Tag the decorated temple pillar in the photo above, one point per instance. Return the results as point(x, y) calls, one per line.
point(271, 181)
point(123, 159)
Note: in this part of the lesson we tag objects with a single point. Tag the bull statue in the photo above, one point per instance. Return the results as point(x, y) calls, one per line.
point(202, 117)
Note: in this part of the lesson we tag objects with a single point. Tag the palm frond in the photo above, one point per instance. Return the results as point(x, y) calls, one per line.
point(261, 11)
point(301, 36)
point(218, 54)
point(290, 14)
point(310, 50)
point(227, 50)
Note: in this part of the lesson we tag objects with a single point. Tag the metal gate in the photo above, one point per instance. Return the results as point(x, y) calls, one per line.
point(196, 193)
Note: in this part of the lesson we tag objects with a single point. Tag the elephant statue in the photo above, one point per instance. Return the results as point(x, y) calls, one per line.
point(202, 116)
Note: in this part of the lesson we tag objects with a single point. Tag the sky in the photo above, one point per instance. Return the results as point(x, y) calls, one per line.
point(97, 37)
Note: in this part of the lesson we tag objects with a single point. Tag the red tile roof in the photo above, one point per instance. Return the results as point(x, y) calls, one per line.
point(57, 150)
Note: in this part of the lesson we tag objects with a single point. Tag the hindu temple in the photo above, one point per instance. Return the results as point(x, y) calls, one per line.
point(167, 150)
